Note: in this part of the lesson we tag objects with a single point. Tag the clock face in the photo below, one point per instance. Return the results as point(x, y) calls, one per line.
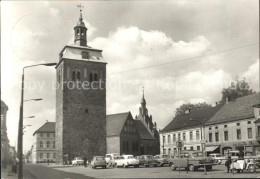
point(85, 54)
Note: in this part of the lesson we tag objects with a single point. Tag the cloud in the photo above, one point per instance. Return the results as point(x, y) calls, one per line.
point(252, 75)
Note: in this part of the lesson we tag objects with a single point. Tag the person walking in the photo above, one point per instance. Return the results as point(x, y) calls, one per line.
point(228, 163)
point(85, 161)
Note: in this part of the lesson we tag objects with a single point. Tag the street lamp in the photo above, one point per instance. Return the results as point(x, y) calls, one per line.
point(38, 99)
point(29, 117)
point(20, 130)
point(26, 126)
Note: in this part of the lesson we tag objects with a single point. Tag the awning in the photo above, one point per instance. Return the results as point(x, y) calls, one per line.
point(211, 148)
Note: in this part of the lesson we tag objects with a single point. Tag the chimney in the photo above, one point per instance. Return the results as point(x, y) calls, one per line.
point(155, 125)
point(226, 100)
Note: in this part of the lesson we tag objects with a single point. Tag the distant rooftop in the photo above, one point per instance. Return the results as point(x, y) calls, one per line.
point(47, 127)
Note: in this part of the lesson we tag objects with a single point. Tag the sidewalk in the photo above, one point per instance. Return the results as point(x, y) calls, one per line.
point(7, 174)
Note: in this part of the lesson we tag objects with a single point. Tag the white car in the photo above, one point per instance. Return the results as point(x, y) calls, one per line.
point(109, 156)
point(77, 161)
point(218, 158)
point(126, 161)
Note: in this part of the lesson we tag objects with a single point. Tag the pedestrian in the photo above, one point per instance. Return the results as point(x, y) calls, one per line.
point(228, 163)
point(85, 161)
point(48, 161)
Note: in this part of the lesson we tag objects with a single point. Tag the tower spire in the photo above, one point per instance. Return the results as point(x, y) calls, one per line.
point(80, 11)
point(80, 30)
point(143, 92)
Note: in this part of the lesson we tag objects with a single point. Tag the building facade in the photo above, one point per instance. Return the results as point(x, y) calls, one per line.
point(189, 128)
point(4, 138)
point(235, 127)
point(80, 99)
point(43, 148)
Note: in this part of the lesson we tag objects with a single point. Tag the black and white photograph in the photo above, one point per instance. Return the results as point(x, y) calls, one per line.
point(130, 89)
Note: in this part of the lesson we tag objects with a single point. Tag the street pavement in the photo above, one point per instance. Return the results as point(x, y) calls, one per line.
point(40, 171)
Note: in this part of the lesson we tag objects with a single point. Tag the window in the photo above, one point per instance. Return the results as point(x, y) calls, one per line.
point(179, 136)
point(174, 137)
point(41, 134)
point(191, 148)
point(163, 139)
point(226, 135)
point(41, 144)
point(95, 77)
point(85, 73)
point(77, 31)
point(238, 134)
point(53, 144)
point(238, 124)
point(210, 128)
point(41, 155)
point(248, 122)
point(191, 135)
point(91, 77)
point(216, 127)
point(78, 75)
point(169, 151)
point(73, 76)
point(185, 148)
point(68, 72)
point(198, 148)
point(225, 126)
point(48, 144)
point(48, 155)
point(216, 136)
point(197, 135)
point(48, 134)
point(249, 133)
point(127, 146)
point(210, 137)
point(169, 139)
point(184, 136)
point(85, 55)
point(54, 155)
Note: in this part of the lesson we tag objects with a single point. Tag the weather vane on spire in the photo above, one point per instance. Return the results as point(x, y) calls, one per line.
point(80, 7)
point(143, 92)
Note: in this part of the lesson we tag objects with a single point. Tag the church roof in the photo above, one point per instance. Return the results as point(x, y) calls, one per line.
point(142, 130)
point(183, 121)
point(47, 127)
point(241, 108)
point(115, 123)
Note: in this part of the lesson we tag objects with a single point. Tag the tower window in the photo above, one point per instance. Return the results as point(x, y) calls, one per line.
point(78, 75)
point(85, 73)
point(77, 31)
point(91, 77)
point(95, 77)
point(73, 76)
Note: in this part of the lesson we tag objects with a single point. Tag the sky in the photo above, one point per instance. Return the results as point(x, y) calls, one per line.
point(150, 44)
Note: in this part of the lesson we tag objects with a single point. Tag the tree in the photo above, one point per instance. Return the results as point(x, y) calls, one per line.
point(237, 89)
point(192, 107)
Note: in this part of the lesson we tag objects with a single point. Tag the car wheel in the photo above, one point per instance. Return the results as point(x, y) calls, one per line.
point(191, 168)
point(251, 168)
point(172, 167)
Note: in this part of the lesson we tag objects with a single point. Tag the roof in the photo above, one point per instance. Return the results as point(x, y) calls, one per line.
point(115, 123)
point(47, 127)
point(241, 108)
point(3, 105)
point(142, 130)
point(183, 121)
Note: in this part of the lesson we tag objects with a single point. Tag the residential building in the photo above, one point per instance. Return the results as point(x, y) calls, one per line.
point(189, 128)
point(80, 99)
point(234, 127)
point(43, 148)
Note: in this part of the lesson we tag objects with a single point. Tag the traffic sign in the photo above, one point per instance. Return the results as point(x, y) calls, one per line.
point(179, 144)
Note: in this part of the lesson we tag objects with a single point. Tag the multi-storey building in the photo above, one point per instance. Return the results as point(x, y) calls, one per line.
point(188, 128)
point(43, 148)
point(234, 127)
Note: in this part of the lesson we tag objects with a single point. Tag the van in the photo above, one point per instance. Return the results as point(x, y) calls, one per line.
point(109, 156)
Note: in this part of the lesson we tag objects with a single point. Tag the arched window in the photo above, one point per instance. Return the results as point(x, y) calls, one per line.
point(78, 76)
point(95, 76)
point(41, 144)
point(53, 144)
point(41, 155)
point(91, 77)
point(48, 144)
point(73, 76)
point(77, 31)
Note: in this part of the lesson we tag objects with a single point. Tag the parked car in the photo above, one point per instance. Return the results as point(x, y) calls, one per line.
point(147, 160)
point(127, 161)
point(113, 161)
point(219, 159)
point(162, 159)
point(233, 153)
point(77, 161)
point(98, 161)
point(108, 156)
point(191, 160)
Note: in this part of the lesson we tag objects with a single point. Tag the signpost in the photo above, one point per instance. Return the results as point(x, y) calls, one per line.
point(179, 145)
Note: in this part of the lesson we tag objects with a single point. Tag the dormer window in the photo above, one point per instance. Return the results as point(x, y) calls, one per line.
point(85, 54)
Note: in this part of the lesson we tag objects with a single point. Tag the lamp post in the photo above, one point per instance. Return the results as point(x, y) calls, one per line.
point(20, 129)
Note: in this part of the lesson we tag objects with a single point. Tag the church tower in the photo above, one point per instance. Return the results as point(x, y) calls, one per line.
point(80, 99)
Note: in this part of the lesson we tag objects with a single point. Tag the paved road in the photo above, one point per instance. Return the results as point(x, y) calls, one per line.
point(37, 171)
point(156, 172)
